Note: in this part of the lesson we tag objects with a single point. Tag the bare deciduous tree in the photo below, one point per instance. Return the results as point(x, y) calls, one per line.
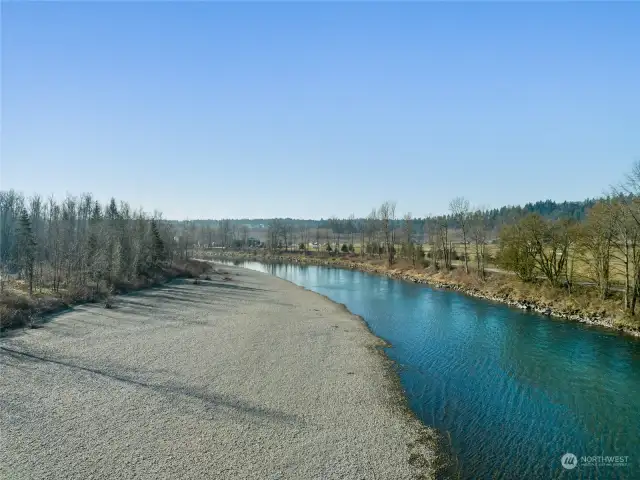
point(459, 207)
point(479, 237)
point(386, 215)
point(407, 242)
point(597, 239)
point(77, 244)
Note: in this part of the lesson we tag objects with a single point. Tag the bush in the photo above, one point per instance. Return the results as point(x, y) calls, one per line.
point(15, 311)
point(345, 248)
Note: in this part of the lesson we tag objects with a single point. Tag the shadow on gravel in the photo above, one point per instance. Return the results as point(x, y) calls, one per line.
point(210, 399)
point(231, 286)
point(192, 300)
point(178, 291)
point(199, 294)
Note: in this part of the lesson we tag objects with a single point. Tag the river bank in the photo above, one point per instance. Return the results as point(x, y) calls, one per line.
point(242, 376)
point(496, 287)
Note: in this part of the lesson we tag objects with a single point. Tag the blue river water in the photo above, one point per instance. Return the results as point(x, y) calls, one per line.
point(513, 391)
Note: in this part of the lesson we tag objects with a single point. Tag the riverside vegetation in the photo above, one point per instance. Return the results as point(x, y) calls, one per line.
point(53, 255)
point(577, 260)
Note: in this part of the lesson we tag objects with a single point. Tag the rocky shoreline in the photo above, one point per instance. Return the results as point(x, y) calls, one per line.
point(426, 279)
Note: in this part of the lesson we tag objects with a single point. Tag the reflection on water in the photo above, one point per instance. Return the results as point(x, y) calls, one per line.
point(514, 390)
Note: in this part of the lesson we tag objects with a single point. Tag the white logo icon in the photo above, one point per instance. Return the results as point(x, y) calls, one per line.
point(569, 461)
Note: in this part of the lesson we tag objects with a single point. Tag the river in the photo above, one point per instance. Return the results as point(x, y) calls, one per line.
point(513, 391)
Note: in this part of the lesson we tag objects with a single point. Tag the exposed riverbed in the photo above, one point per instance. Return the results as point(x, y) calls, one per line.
point(245, 376)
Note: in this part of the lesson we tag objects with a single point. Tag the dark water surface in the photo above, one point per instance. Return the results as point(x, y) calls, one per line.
point(514, 391)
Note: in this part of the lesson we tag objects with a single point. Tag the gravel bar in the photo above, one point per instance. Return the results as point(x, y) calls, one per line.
point(247, 378)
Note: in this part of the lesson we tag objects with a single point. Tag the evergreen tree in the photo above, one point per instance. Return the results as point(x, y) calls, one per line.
point(157, 249)
point(95, 255)
point(112, 241)
point(25, 248)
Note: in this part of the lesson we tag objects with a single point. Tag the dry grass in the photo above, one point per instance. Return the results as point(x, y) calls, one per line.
point(581, 267)
point(583, 301)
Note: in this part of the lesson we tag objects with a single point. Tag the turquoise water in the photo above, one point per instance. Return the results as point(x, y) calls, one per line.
point(513, 391)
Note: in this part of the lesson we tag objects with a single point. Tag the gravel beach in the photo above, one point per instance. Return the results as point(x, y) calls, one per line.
point(252, 378)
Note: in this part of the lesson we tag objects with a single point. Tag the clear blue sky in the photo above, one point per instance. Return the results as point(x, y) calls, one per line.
point(209, 110)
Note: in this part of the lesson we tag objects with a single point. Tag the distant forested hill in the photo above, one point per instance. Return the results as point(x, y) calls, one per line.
point(494, 218)
point(547, 208)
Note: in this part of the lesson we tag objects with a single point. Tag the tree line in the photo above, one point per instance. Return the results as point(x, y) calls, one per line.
point(594, 243)
point(606, 244)
point(80, 245)
point(493, 219)
point(381, 234)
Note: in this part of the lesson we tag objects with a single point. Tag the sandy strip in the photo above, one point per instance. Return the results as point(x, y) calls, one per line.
point(249, 378)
